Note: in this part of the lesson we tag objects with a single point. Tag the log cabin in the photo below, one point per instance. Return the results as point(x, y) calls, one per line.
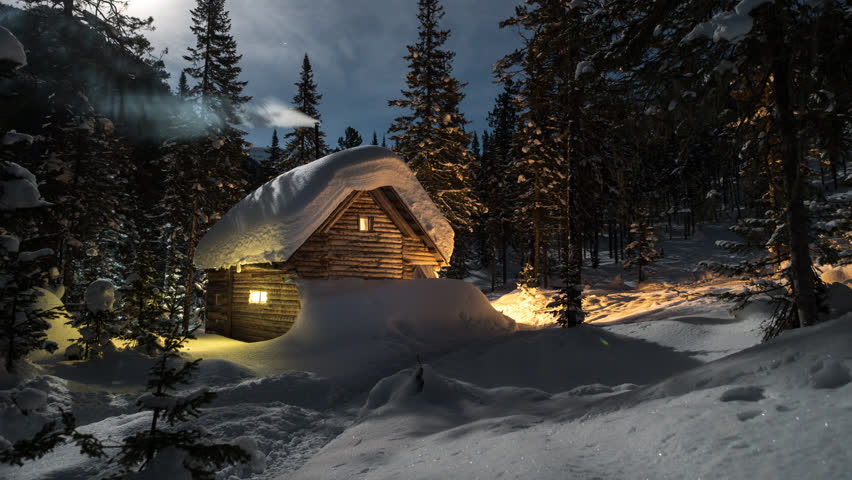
point(359, 213)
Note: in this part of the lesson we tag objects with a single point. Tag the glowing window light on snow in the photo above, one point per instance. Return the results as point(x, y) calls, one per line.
point(257, 297)
point(365, 224)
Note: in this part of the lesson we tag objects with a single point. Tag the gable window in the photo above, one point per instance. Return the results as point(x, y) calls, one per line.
point(365, 224)
point(257, 297)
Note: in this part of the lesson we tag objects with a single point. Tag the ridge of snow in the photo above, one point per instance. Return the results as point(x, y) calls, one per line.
point(271, 223)
point(11, 49)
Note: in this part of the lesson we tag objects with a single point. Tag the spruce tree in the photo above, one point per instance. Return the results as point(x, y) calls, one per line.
point(214, 64)
point(557, 177)
point(24, 274)
point(430, 135)
point(273, 160)
point(351, 138)
point(375, 139)
point(205, 168)
point(183, 86)
point(642, 251)
point(302, 145)
point(170, 410)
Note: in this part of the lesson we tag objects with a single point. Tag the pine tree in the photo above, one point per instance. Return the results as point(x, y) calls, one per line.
point(108, 19)
point(23, 274)
point(206, 176)
point(475, 149)
point(214, 63)
point(495, 182)
point(351, 138)
point(375, 139)
point(430, 136)
point(269, 164)
point(98, 324)
point(183, 86)
point(202, 458)
point(642, 251)
point(304, 144)
point(384, 144)
point(555, 141)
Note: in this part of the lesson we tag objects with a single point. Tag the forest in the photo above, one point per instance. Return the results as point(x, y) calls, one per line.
point(619, 125)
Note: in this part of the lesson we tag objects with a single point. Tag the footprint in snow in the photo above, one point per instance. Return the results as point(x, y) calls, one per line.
point(831, 375)
point(749, 393)
point(748, 415)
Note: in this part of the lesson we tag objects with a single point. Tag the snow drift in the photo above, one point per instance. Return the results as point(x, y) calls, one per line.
point(368, 327)
point(272, 223)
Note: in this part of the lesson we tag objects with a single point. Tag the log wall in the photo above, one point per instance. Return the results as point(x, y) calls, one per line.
point(343, 251)
point(254, 321)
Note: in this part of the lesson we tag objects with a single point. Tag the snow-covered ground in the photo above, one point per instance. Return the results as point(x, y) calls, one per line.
point(663, 383)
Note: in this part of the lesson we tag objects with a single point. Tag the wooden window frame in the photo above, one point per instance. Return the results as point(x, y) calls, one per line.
point(370, 221)
point(261, 298)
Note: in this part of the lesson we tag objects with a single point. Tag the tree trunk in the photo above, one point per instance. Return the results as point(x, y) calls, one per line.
point(801, 269)
point(190, 260)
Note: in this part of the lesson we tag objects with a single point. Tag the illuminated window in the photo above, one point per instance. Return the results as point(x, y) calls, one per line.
point(257, 297)
point(365, 224)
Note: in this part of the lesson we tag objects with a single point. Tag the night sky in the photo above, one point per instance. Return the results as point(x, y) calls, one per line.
point(356, 50)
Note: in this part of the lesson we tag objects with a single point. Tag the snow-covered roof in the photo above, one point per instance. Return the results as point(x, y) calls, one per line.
point(272, 223)
point(11, 49)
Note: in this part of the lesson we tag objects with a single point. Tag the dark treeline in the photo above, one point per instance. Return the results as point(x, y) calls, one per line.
point(617, 116)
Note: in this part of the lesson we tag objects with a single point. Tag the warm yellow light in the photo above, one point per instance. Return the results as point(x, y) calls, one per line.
point(365, 224)
point(257, 297)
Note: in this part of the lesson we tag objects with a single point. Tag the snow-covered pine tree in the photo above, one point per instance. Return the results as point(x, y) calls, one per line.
point(206, 176)
point(23, 275)
point(430, 136)
point(171, 409)
point(302, 145)
point(141, 311)
point(351, 138)
point(642, 251)
point(98, 324)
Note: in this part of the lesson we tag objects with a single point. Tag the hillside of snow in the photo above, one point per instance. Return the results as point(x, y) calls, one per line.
point(663, 382)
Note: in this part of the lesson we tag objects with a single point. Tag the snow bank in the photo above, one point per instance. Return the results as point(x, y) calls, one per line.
point(363, 328)
point(11, 49)
point(60, 332)
point(270, 224)
point(778, 410)
point(20, 189)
